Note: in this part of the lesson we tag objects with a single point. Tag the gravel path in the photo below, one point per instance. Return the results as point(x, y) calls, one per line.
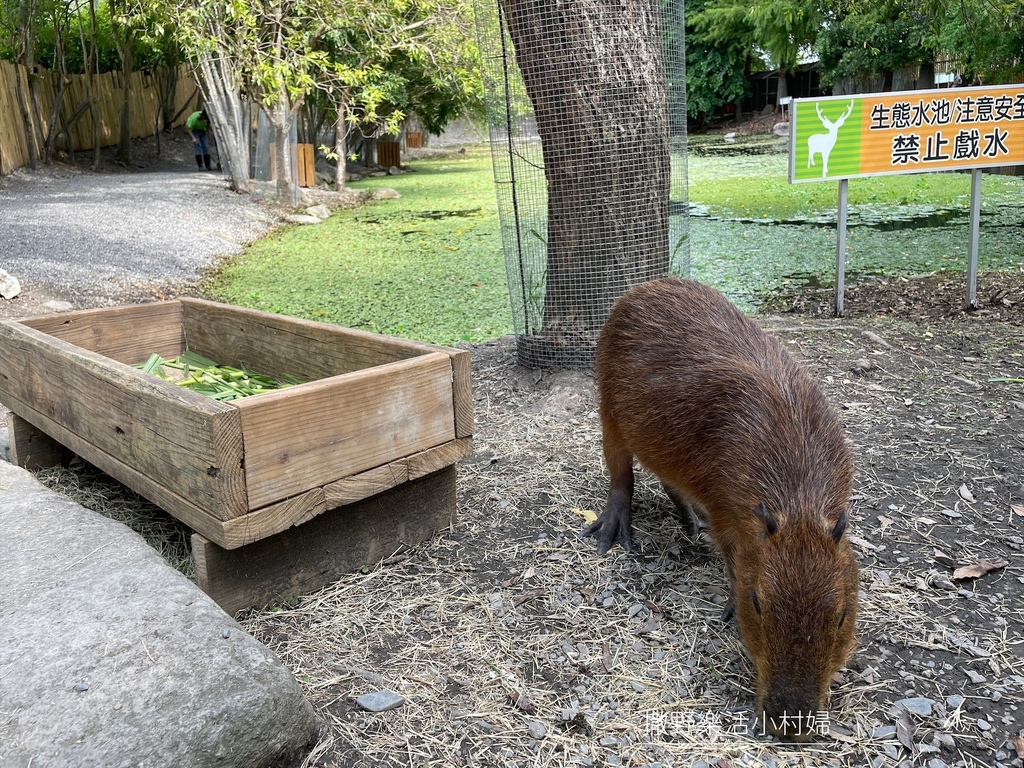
point(101, 238)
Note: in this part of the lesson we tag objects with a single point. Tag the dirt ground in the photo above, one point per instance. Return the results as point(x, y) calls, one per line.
point(514, 644)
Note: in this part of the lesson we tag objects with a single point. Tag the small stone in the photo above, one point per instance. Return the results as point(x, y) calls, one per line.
point(954, 701)
point(638, 686)
point(538, 730)
point(883, 732)
point(380, 701)
point(937, 763)
point(225, 633)
point(891, 751)
point(945, 741)
point(976, 677)
point(950, 513)
point(862, 366)
point(918, 705)
point(81, 687)
point(320, 211)
point(9, 285)
point(983, 725)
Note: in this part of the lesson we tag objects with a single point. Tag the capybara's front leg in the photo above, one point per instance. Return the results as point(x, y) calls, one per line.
point(613, 526)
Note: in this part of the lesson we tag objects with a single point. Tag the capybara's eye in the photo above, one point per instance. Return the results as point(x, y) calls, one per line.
point(754, 600)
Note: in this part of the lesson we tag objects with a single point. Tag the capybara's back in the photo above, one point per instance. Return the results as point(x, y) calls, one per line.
point(730, 422)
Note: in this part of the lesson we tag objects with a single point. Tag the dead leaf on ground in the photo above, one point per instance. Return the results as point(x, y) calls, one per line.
point(965, 493)
point(1017, 509)
point(520, 599)
point(943, 559)
point(979, 569)
point(522, 702)
point(905, 730)
point(1018, 744)
point(588, 515)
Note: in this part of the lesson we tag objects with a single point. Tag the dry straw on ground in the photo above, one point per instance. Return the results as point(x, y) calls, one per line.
point(515, 645)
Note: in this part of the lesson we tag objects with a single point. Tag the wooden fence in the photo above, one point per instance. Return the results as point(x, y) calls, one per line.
point(144, 105)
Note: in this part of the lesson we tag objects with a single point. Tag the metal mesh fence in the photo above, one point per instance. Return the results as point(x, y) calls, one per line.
point(586, 104)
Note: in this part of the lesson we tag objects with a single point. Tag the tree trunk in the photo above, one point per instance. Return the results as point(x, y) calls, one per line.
point(595, 73)
point(280, 117)
point(123, 43)
point(221, 95)
point(339, 144)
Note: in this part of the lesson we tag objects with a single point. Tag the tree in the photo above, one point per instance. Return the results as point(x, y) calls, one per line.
point(869, 40)
point(595, 73)
point(987, 36)
point(715, 70)
point(780, 28)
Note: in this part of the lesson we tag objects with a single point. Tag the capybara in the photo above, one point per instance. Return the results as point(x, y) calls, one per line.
point(739, 432)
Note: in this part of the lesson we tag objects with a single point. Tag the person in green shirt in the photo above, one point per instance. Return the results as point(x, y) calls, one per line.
point(197, 124)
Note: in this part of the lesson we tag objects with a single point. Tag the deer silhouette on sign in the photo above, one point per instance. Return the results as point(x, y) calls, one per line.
point(822, 143)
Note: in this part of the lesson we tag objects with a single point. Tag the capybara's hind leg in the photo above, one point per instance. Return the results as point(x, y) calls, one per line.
point(614, 526)
point(693, 519)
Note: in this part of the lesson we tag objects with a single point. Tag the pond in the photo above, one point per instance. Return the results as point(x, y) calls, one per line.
point(901, 225)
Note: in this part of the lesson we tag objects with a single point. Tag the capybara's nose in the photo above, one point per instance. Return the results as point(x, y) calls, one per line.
point(794, 717)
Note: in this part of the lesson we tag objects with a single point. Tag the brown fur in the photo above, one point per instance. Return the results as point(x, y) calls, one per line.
point(728, 420)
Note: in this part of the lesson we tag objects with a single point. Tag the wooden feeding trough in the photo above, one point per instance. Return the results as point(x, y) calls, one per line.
point(285, 490)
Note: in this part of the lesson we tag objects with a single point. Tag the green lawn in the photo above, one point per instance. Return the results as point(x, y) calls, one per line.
point(429, 266)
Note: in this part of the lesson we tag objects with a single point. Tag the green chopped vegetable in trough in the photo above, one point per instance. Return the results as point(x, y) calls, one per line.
point(203, 375)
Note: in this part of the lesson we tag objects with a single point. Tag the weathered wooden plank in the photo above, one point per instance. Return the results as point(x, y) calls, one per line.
point(128, 334)
point(32, 448)
point(178, 439)
point(425, 462)
point(301, 560)
point(312, 434)
point(462, 392)
point(276, 344)
point(198, 519)
point(378, 479)
point(366, 484)
point(273, 519)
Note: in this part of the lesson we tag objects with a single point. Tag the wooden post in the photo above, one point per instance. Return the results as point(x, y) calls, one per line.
point(32, 448)
point(309, 556)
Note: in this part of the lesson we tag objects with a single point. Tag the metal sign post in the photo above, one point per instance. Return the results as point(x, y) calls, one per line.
point(972, 241)
point(841, 245)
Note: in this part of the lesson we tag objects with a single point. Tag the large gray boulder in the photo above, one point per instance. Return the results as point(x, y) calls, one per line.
point(109, 657)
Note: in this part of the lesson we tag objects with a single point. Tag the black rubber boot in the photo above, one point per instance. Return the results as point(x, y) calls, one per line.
point(206, 161)
point(199, 162)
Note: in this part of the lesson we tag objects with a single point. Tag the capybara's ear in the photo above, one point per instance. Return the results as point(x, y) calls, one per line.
point(770, 523)
point(840, 527)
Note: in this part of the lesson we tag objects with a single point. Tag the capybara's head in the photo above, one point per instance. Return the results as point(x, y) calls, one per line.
point(796, 603)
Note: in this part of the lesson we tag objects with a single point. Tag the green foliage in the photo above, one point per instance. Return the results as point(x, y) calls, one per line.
point(778, 27)
point(865, 39)
point(714, 68)
point(986, 35)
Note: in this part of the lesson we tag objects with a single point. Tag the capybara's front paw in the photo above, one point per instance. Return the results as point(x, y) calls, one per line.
point(610, 530)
